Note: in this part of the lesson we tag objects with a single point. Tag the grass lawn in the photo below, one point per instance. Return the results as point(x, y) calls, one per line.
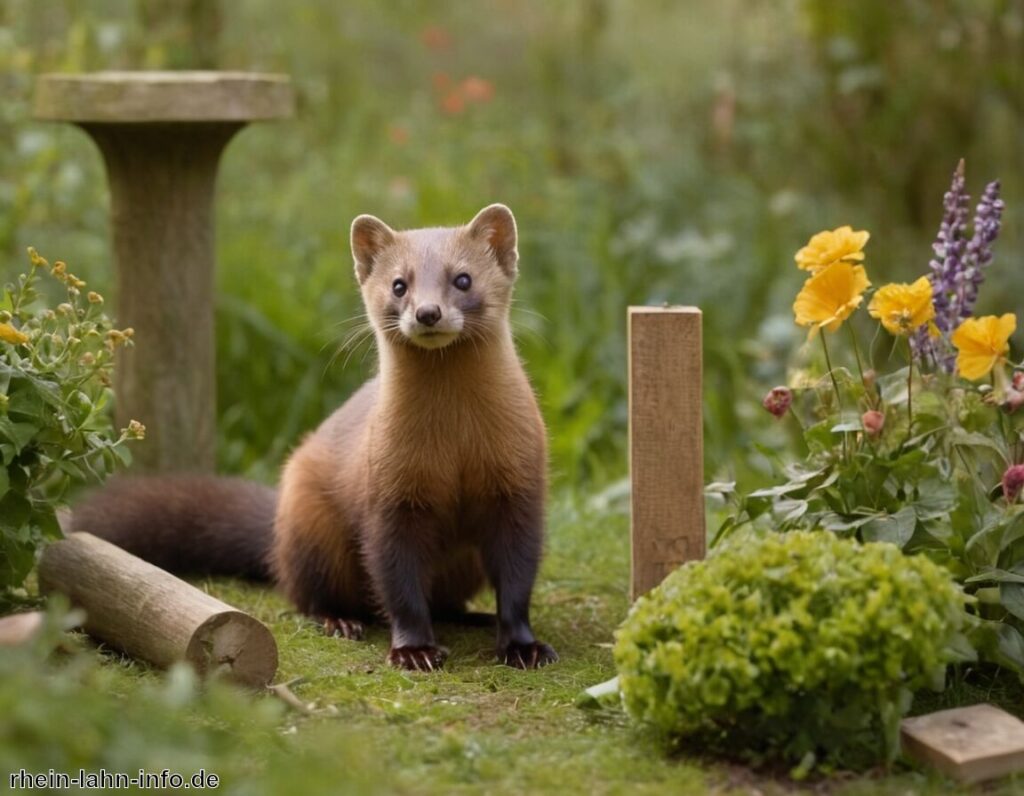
point(478, 726)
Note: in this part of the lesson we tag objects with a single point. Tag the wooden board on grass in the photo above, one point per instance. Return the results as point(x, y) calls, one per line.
point(969, 744)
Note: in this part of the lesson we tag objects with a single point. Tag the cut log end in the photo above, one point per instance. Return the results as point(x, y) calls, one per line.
point(234, 645)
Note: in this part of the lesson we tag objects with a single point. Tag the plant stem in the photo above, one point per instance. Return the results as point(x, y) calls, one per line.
point(856, 352)
point(910, 387)
point(835, 386)
point(828, 364)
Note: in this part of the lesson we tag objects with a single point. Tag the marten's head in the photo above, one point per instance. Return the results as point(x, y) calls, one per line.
point(433, 287)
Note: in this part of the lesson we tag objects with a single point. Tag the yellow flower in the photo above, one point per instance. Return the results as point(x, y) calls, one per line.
point(829, 296)
point(841, 245)
point(981, 343)
point(11, 335)
point(903, 308)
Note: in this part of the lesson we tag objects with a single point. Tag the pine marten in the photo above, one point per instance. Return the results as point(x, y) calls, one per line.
point(426, 484)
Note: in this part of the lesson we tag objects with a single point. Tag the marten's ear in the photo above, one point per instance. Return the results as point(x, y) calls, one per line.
point(370, 236)
point(496, 225)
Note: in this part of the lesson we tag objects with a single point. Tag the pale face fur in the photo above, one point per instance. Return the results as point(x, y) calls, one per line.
point(414, 283)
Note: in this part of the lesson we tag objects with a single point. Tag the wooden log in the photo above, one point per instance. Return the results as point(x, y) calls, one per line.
point(969, 744)
point(666, 443)
point(19, 628)
point(152, 615)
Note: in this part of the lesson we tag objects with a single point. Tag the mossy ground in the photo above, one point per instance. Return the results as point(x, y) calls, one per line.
point(478, 727)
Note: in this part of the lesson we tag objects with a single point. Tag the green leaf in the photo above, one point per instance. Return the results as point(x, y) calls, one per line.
point(893, 387)
point(789, 510)
point(1010, 646)
point(1011, 595)
point(895, 528)
point(973, 439)
point(936, 499)
point(995, 575)
point(19, 434)
point(778, 491)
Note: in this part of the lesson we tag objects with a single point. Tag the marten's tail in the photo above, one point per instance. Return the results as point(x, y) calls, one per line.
point(188, 525)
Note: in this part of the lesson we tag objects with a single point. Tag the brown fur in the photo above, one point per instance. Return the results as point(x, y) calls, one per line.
point(423, 460)
point(430, 480)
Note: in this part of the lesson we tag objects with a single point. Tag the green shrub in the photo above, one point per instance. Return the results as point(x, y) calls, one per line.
point(800, 647)
point(55, 429)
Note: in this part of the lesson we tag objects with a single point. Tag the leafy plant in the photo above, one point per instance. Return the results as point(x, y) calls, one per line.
point(927, 456)
point(802, 647)
point(55, 367)
point(64, 712)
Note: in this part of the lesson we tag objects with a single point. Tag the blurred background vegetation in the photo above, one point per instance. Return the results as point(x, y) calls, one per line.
point(652, 151)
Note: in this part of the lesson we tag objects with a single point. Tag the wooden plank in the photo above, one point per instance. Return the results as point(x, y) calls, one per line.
point(970, 744)
point(666, 443)
point(150, 614)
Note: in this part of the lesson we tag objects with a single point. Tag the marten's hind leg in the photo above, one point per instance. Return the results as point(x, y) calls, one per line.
point(315, 559)
point(455, 582)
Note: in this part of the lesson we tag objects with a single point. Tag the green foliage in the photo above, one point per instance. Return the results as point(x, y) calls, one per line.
point(55, 429)
point(67, 714)
point(802, 647)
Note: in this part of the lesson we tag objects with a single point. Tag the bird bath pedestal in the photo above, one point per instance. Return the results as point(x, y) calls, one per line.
point(161, 135)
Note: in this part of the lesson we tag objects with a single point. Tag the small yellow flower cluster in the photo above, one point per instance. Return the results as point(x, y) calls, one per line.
point(135, 430)
point(61, 273)
point(837, 282)
point(11, 335)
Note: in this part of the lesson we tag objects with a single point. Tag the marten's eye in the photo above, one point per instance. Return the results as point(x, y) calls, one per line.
point(463, 281)
point(399, 288)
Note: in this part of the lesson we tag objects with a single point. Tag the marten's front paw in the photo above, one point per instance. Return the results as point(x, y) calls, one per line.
point(346, 628)
point(527, 656)
point(422, 659)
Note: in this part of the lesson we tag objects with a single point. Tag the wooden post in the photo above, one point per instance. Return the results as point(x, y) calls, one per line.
point(161, 135)
point(152, 615)
point(666, 443)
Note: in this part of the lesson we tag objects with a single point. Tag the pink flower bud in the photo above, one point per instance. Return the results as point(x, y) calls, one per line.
point(778, 401)
point(1013, 482)
point(1018, 380)
point(1012, 401)
point(873, 422)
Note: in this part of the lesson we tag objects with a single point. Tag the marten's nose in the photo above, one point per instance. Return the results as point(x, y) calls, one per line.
point(428, 314)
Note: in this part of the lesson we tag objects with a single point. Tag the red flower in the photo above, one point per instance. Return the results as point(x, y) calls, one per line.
point(476, 89)
point(436, 38)
point(453, 104)
point(778, 400)
point(1013, 482)
point(873, 422)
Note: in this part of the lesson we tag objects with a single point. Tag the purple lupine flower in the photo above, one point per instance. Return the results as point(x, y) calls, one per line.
point(947, 264)
point(987, 218)
point(945, 267)
point(958, 266)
